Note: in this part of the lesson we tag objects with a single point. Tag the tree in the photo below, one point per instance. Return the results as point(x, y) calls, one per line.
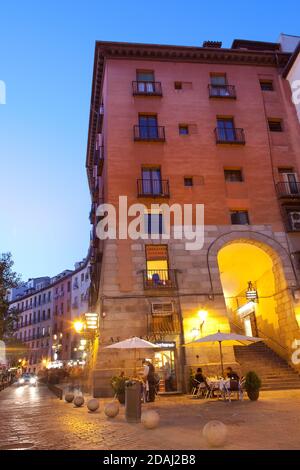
point(8, 280)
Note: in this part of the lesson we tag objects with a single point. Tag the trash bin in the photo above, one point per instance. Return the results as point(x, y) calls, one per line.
point(133, 401)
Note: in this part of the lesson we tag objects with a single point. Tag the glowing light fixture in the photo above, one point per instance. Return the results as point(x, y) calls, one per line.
point(78, 326)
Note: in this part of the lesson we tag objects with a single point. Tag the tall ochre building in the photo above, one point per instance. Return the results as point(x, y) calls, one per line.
point(196, 125)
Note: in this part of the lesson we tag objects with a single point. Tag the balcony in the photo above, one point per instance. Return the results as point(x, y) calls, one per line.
point(144, 88)
point(230, 136)
point(99, 159)
point(153, 188)
point(164, 325)
point(149, 133)
point(160, 279)
point(222, 91)
point(288, 190)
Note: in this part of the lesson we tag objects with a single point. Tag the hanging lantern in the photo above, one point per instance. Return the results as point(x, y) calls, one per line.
point(251, 293)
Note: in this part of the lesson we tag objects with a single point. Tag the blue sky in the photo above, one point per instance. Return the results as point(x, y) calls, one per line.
point(46, 60)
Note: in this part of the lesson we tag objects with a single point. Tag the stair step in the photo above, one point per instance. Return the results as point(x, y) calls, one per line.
point(274, 372)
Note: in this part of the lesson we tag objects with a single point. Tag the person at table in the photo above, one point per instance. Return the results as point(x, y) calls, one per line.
point(199, 376)
point(230, 374)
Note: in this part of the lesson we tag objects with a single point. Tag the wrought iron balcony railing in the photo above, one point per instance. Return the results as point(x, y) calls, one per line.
point(288, 189)
point(160, 279)
point(146, 88)
point(162, 325)
point(149, 133)
point(153, 188)
point(222, 91)
point(230, 136)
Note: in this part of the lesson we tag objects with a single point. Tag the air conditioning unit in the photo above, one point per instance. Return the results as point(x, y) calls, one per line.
point(295, 220)
point(162, 308)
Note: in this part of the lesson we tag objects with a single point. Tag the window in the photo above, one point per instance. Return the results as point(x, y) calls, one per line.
point(226, 130)
point(218, 85)
point(145, 79)
point(183, 129)
point(266, 85)
point(148, 127)
point(218, 79)
point(275, 125)
point(82, 277)
point(153, 223)
point(239, 217)
point(188, 181)
point(233, 175)
point(69, 286)
point(293, 214)
point(178, 85)
point(157, 263)
point(49, 313)
point(151, 181)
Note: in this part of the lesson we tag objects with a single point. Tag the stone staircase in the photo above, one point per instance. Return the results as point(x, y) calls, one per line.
point(275, 373)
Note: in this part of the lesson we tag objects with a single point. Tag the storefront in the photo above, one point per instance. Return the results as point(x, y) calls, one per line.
point(165, 363)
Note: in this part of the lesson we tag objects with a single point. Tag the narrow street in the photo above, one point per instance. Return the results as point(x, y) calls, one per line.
point(33, 418)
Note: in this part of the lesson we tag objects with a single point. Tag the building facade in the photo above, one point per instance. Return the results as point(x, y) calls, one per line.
point(292, 69)
point(194, 125)
point(46, 312)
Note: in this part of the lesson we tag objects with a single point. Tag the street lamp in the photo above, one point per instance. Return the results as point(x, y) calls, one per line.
point(78, 326)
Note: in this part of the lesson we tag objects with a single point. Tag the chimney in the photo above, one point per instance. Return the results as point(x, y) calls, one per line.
point(212, 44)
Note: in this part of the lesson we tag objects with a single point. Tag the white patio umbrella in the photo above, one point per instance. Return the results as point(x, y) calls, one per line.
point(230, 338)
point(134, 343)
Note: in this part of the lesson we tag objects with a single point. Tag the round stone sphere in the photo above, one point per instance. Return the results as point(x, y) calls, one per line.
point(69, 397)
point(150, 419)
point(79, 400)
point(215, 433)
point(112, 409)
point(93, 404)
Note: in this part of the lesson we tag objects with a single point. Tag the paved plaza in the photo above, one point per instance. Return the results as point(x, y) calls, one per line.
point(33, 418)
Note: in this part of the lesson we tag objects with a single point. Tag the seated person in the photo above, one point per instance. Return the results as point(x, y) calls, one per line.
point(234, 379)
point(200, 378)
point(230, 374)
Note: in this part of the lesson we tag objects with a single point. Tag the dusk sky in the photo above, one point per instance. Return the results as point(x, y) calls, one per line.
point(46, 60)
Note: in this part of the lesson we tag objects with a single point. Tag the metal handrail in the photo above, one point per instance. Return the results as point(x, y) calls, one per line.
point(159, 279)
point(149, 133)
point(288, 189)
point(232, 135)
point(148, 187)
point(264, 335)
point(221, 91)
point(146, 87)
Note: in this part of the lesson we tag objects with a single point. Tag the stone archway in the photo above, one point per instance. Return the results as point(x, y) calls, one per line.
point(280, 333)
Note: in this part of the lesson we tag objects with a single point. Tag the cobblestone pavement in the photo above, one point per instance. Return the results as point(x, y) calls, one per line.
point(33, 418)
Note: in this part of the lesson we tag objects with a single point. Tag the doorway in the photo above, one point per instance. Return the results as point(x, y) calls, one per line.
point(250, 325)
point(165, 367)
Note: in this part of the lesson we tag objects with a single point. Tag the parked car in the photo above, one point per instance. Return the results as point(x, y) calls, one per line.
point(27, 379)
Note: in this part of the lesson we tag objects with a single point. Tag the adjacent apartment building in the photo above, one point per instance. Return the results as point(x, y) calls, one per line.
point(292, 70)
point(47, 310)
point(195, 125)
